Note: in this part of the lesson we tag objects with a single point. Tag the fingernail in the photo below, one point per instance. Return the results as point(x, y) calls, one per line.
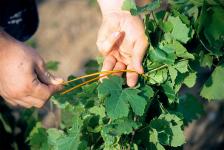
point(131, 84)
point(115, 34)
point(57, 81)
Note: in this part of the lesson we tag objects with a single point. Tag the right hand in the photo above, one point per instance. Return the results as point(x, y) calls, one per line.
point(24, 81)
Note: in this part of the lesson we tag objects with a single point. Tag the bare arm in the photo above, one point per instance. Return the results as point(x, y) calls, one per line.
point(121, 39)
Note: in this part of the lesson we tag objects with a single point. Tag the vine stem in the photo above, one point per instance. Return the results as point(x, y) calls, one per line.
point(156, 69)
point(133, 132)
point(106, 73)
point(97, 73)
point(84, 83)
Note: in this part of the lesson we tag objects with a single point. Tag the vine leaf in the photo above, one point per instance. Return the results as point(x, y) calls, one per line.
point(111, 89)
point(118, 101)
point(169, 91)
point(129, 5)
point(162, 54)
point(180, 31)
point(136, 102)
point(169, 129)
point(180, 50)
point(190, 80)
point(182, 66)
point(157, 77)
point(190, 107)
point(214, 86)
point(38, 138)
point(154, 141)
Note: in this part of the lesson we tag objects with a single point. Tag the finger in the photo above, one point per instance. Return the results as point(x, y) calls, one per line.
point(38, 103)
point(132, 77)
point(108, 64)
point(138, 55)
point(10, 102)
point(22, 103)
point(45, 77)
point(106, 45)
point(40, 90)
point(119, 66)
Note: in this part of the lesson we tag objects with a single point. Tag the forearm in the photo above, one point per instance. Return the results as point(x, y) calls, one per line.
point(116, 5)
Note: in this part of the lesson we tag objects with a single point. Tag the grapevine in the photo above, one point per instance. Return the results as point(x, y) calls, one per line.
point(186, 38)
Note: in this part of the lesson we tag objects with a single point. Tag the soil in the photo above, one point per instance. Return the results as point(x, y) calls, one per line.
point(67, 33)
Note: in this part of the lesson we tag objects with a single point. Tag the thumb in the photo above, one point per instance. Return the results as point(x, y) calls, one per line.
point(47, 78)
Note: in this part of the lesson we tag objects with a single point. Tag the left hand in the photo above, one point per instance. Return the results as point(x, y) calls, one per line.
point(122, 41)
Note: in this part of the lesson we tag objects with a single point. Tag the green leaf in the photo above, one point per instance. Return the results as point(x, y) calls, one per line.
point(98, 110)
point(206, 61)
point(154, 141)
point(125, 126)
point(54, 135)
point(210, 27)
point(190, 107)
point(136, 102)
point(180, 31)
point(182, 66)
point(162, 54)
point(147, 92)
point(72, 140)
point(157, 77)
point(169, 129)
point(169, 91)
point(180, 50)
point(166, 26)
point(38, 138)
point(173, 73)
point(129, 5)
point(214, 28)
point(178, 138)
point(190, 80)
point(118, 101)
point(68, 143)
point(111, 89)
point(214, 87)
point(52, 65)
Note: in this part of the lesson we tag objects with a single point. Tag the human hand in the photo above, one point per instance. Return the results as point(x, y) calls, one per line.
point(24, 80)
point(122, 39)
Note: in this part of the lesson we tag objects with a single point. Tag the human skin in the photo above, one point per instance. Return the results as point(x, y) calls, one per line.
point(121, 39)
point(24, 80)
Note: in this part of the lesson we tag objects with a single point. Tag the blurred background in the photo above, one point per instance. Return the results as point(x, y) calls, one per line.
point(67, 33)
point(66, 39)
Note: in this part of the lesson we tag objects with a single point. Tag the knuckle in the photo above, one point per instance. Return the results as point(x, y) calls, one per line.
point(40, 105)
point(16, 95)
point(47, 96)
point(110, 60)
point(41, 63)
point(28, 106)
point(145, 40)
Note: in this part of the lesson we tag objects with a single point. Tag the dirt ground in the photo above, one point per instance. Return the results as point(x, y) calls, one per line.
point(67, 33)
